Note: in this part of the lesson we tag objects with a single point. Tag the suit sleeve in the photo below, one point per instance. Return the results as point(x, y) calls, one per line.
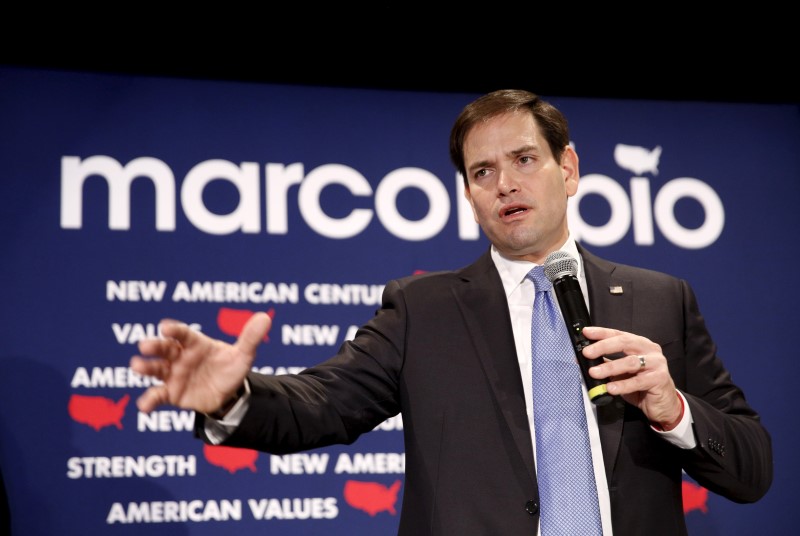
point(333, 402)
point(733, 456)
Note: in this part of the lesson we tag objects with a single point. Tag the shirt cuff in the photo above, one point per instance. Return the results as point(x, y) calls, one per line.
point(681, 436)
point(218, 430)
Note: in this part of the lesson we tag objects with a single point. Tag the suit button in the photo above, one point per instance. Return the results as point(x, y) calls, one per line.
point(716, 446)
point(532, 507)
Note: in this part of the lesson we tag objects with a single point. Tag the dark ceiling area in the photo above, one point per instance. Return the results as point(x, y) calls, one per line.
point(672, 81)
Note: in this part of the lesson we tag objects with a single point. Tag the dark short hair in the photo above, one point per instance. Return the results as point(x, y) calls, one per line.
point(551, 121)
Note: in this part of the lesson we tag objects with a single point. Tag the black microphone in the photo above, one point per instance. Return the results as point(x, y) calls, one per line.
point(562, 269)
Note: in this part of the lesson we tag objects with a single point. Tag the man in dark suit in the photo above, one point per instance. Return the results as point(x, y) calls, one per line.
point(451, 352)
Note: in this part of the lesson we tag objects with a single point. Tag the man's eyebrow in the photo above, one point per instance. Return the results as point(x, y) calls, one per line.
point(481, 164)
point(531, 148)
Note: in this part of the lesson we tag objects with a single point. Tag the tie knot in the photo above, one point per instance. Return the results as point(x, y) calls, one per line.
point(540, 280)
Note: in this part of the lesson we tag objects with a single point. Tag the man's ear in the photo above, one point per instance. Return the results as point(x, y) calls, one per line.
point(570, 170)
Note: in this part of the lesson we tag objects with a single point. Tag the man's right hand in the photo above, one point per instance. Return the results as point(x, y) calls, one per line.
point(198, 372)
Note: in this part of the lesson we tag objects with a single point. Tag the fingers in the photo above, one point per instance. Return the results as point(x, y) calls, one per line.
point(152, 398)
point(642, 379)
point(168, 349)
point(641, 375)
point(154, 367)
point(253, 333)
point(611, 342)
point(175, 329)
point(644, 363)
point(195, 368)
point(628, 366)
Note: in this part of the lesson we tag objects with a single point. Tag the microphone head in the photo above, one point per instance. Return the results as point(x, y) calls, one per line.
point(558, 264)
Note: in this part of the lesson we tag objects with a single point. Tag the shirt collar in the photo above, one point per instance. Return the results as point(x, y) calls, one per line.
point(512, 272)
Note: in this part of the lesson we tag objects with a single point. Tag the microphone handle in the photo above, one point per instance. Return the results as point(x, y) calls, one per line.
point(576, 316)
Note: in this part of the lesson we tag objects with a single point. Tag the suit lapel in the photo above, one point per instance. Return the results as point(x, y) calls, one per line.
point(610, 305)
point(485, 310)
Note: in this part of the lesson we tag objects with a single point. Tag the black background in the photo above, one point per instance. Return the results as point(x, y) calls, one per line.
point(750, 72)
point(726, 53)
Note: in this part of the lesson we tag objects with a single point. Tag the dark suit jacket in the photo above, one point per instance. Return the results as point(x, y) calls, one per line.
point(441, 351)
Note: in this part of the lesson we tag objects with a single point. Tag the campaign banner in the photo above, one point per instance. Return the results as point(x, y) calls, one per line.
point(128, 199)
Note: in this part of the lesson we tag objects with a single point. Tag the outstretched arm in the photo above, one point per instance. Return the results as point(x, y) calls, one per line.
point(198, 372)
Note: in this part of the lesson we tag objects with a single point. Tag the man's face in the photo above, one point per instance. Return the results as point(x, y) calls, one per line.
point(517, 190)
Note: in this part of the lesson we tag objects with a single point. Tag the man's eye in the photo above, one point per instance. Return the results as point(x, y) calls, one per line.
point(525, 159)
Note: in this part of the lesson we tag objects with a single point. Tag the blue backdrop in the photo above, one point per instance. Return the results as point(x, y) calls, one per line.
point(126, 199)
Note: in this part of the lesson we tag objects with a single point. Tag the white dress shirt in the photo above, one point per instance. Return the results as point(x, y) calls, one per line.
point(520, 293)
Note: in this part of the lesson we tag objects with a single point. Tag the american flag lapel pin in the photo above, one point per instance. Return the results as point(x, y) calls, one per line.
point(615, 289)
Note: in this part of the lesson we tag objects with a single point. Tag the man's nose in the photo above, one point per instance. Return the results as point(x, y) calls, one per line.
point(506, 182)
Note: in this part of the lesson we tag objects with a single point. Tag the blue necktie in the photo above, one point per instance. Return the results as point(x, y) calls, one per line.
point(567, 491)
